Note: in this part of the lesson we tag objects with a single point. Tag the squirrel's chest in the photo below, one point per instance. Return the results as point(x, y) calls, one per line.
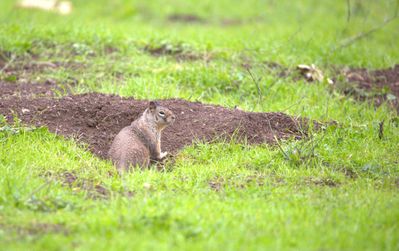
point(158, 135)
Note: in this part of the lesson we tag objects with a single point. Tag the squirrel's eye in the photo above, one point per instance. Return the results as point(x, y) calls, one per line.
point(161, 113)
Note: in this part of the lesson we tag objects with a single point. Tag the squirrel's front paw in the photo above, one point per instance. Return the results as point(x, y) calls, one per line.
point(163, 155)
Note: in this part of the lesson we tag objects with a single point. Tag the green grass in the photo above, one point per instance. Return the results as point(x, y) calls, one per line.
point(336, 190)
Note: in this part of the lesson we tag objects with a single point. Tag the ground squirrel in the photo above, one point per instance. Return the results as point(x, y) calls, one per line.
point(137, 144)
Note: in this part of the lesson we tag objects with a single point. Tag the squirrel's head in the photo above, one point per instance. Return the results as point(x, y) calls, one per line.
point(161, 115)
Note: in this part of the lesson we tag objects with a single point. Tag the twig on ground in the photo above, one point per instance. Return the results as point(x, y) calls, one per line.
point(292, 105)
point(348, 15)
point(396, 13)
point(349, 41)
point(278, 142)
point(39, 188)
point(7, 64)
point(281, 148)
point(256, 82)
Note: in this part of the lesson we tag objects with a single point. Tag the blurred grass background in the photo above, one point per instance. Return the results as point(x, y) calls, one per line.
point(340, 194)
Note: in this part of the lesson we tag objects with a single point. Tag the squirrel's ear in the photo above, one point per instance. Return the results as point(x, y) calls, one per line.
point(152, 105)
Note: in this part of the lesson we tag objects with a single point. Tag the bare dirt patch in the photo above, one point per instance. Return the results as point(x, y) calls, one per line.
point(26, 68)
point(378, 85)
point(96, 118)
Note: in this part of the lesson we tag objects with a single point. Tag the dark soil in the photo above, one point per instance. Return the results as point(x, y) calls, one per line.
point(378, 85)
point(96, 118)
point(362, 84)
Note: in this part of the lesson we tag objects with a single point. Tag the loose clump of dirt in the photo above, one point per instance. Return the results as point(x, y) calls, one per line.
point(96, 118)
point(363, 84)
point(378, 85)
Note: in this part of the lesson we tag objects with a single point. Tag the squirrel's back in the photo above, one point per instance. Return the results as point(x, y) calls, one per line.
point(128, 149)
point(137, 144)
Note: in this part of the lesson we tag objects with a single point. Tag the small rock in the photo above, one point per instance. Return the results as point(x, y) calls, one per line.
point(91, 123)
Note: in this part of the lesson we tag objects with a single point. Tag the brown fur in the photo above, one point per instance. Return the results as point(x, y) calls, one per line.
point(137, 144)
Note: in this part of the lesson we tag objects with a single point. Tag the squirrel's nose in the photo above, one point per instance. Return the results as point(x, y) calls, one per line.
point(173, 117)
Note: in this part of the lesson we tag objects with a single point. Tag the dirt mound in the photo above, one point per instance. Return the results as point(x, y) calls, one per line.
point(378, 78)
point(378, 85)
point(96, 118)
point(363, 84)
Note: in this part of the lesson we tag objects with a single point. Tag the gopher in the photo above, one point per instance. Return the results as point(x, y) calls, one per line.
point(140, 142)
